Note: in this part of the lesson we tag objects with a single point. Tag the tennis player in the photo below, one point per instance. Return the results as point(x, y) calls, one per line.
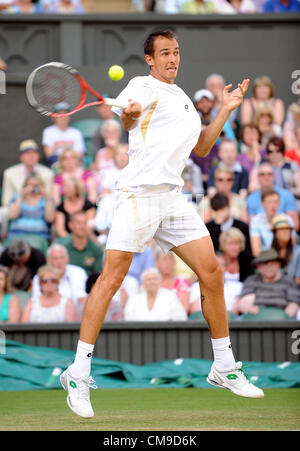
point(164, 128)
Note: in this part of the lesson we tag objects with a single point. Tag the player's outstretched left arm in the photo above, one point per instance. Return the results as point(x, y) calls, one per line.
point(231, 100)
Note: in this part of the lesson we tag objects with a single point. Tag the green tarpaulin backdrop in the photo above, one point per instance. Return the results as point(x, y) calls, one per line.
point(25, 367)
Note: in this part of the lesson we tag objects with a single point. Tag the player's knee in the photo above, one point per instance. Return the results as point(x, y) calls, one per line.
point(113, 278)
point(212, 273)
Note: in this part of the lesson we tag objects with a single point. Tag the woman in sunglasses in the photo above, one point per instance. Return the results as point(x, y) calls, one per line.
point(50, 306)
point(286, 173)
point(223, 180)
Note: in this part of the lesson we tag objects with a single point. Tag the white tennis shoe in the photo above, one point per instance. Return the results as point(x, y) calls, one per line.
point(78, 389)
point(235, 381)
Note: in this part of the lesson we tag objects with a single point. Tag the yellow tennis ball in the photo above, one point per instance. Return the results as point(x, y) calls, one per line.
point(116, 72)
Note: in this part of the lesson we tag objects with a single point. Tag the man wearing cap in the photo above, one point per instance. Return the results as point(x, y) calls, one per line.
point(284, 243)
point(204, 102)
point(60, 136)
point(23, 262)
point(14, 176)
point(269, 287)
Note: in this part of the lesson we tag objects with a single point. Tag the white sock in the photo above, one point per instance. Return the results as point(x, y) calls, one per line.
point(83, 360)
point(223, 355)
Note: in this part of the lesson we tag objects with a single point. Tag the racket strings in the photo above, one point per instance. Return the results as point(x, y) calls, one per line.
point(53, 85)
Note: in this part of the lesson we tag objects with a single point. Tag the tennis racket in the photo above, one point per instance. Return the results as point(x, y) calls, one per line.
point(53, 83)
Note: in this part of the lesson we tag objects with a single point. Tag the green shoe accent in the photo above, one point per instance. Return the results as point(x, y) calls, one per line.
point(73, 384)
point(231, 376)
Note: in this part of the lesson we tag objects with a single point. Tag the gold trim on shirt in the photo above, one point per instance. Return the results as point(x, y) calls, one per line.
point(147, 119)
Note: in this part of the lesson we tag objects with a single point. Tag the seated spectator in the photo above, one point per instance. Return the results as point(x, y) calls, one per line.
point(24, 7)
point(228, 153)
point(109, 178)
point(264, 120)
point(172, 6)
point(215, 83)
point(232, 290)
point(74, 201)
point(66, 7)
point(266, 181)
point(269, 287)
point(69, 167)
point(50, 306)
point(104, 213)
point(23, 262)
point(232, 286)
point(289, 132)
point(154, 303)
point(283, 243)
point(197, 7)
point(237, 259)
point(206, 163)
point(140, 262)
point(263, 95)
point(293, 153)
point(282, 6)
point(192, 178)
point(223, 221)
point(286, 173)
point(4, 4)
point(32, 211)
point(237, 7)
point(105, 113)
point(115, 311)
point(105, 157)
point(72, 278)
point(14, 176)
point(165, 263)
point(223, 181)
point(10, 309)
point(204, 103)
point(252, 152)
point(82, 250)
point(261, 234)
point(59, 136)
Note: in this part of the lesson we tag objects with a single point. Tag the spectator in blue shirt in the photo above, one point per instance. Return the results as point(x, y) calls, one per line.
point(282, 6)
point(141, 262)
point(287, 200)
point(228, 153)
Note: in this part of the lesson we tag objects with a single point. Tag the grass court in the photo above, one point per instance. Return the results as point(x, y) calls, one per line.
point(192, 409)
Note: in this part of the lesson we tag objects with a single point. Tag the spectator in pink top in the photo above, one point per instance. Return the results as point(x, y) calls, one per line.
point(165, 264)
point(69, 167)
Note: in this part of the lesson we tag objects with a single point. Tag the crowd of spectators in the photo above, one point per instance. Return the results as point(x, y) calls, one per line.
point(156, 6)
point(58, 206)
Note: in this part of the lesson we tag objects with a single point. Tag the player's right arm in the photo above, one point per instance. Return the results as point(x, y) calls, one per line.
point(131, 114)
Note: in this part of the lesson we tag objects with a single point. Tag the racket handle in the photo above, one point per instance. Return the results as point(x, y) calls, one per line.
point(116, 103)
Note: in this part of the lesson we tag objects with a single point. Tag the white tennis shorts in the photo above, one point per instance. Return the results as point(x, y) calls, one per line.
point(161, 212)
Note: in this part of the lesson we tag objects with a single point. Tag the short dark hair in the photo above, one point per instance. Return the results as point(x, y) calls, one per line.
point(149, 42)
point(268, 192)
point(278, 142)
point(219, 201)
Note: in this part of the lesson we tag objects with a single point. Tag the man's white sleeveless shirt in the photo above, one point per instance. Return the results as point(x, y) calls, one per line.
point(166, 133)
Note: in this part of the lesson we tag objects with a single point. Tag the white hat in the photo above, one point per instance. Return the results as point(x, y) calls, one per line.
point(203, 93)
